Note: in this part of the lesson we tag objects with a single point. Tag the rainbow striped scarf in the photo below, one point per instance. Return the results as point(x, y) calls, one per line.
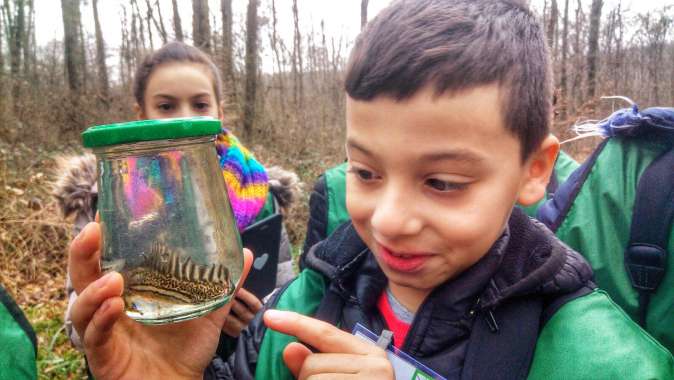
point(246, 179)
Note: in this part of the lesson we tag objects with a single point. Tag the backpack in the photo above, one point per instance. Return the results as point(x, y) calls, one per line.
point(616, 209)
point(18, 344)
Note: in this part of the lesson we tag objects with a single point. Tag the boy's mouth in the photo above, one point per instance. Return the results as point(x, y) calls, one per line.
point(403, 261)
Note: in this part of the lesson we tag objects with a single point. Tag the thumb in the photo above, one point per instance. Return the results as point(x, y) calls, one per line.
point(294, 355)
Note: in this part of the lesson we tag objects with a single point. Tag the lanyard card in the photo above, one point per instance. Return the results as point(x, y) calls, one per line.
point(405, 367)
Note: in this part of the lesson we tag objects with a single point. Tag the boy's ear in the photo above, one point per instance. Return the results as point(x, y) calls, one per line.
point(538, 170)
point(140, 115)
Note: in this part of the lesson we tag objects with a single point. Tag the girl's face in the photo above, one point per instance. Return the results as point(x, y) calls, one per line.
point(179, 89)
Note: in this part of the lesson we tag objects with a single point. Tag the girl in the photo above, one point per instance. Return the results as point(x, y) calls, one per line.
point(179, 80)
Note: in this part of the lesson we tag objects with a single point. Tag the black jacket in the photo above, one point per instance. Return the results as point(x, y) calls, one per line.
point(526, 266)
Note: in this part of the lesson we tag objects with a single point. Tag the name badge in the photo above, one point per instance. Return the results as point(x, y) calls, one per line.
point(404, 366)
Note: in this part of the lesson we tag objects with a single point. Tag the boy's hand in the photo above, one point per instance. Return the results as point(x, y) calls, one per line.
point(342, 355)
point(244, 308)
point(118, 347)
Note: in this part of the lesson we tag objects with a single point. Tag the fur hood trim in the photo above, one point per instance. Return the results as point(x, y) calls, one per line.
point(75, 189)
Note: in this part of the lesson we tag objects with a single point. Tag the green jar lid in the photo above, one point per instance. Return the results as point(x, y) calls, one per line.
point(148, 130)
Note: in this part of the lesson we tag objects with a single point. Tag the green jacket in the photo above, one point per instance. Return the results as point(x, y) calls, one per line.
point(584, 337)
point(598, 226)
point(18, 344)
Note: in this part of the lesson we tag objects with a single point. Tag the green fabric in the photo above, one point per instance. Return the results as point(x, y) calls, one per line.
point(335, 182)
point(302, 296)
point(588, 338)
point(598, 226)
point(17, 353)
point(591, 338)
point(564, 166)
point(268, 209)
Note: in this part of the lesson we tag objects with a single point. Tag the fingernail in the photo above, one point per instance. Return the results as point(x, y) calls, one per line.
point(83, 232)
point(105, 306)
point(276, 315)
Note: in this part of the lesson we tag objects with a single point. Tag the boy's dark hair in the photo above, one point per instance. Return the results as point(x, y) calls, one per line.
point(173, 52)
point(455, 45)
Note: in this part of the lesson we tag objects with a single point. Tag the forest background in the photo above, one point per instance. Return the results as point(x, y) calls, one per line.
point(282, 70)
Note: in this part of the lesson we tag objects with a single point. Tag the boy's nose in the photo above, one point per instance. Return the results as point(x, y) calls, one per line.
point(395, 215)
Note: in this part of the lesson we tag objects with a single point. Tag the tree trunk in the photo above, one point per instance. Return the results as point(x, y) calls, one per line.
point(27, 49)
point(73, 60)
point(103, 86)
point(563, 98)
point(141, 27)
point(592, 46)
point(71, 43)
point(15, 20)
point(278, 57)
point(2, 55)
point(159, 24)
point(363, 13)
point(201, 28)
point(148, 18)
point(552, 27)
point(576, 93)
point(83, 52)
point(251, 68)
point(227, 42)
point(177, 27)
point(298, 95)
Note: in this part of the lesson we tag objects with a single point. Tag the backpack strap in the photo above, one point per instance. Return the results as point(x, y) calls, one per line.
point(646, 254)
point(553, 212)
point(502, 341)
point(503, 350)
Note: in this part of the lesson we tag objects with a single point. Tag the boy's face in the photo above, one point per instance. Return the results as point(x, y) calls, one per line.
point(432, 181)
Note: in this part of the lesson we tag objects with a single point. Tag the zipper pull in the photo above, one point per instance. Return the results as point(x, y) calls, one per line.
point(491, 321)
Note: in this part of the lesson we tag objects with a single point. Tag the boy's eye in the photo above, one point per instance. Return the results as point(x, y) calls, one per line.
point(362, 174)
point(440, 185)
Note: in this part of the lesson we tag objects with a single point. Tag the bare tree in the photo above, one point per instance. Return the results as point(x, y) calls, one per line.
point(251, 67)
point(592, 45)
point(201, 28)
point(227, 41)
point(159, 22)
point(73, 60)
point(148, 18)
point(563, 98)
point(177, 27)
point(102, 69)
point(2, 55)
point(576, 92)
point(552, 27)
point(27, 48)
point(298, 91)
point(14, 17)
point(363, 13)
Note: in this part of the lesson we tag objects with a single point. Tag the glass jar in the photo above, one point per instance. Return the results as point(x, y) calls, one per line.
point(166, 221)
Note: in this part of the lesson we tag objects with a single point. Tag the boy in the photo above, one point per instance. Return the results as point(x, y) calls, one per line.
point(448, 113)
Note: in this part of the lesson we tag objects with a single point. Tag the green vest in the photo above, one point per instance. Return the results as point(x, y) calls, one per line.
point(598, 226)
point(587, 338)
point(335, 183)
point(18, 345)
